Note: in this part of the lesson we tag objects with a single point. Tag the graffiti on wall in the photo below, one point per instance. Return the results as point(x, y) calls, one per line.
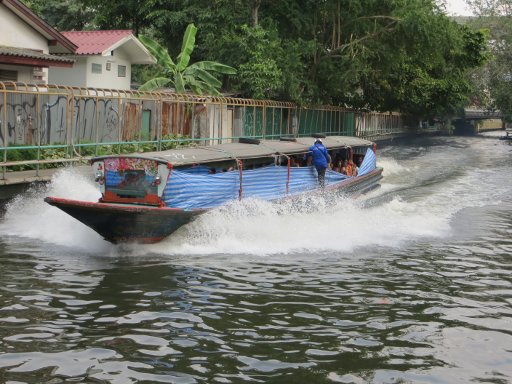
point(95, 120)
point(45, 118)
point(18, 119)
point(29, 119)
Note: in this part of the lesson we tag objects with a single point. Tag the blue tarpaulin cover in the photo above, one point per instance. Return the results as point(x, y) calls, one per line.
point(369, 163)
point(194, 190)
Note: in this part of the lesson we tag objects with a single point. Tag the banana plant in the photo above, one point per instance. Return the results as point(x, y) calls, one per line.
point(197, 77)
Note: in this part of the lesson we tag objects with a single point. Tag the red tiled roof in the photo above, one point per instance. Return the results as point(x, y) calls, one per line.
point(95, 42)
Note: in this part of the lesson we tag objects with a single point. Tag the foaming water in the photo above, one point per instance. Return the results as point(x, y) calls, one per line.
point(29, 216)
point(309, 226)
point(389, 217)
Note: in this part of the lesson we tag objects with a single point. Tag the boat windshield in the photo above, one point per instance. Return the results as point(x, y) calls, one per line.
point(133, 183)
point(131, 180)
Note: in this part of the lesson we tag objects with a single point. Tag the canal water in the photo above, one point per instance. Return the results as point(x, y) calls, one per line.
point(409, 284)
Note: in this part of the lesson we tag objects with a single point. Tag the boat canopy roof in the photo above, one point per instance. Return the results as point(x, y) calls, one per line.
point(243, 150)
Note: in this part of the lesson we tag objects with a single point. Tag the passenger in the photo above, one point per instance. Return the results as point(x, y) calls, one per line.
point(212, 171)
point(348, 167)
point(337, 166)
point(337, 163)
point(353, 167)
point(359, 161)
point(320, 158)
point(343, 168)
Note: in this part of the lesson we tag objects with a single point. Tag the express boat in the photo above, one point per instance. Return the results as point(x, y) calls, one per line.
point(145, 197)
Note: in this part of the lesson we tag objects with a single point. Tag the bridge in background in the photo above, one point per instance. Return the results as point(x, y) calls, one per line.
point(481, 114)
point(477, 120)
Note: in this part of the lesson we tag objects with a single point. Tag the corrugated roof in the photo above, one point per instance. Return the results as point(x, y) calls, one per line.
point(95, 42)
point(221, 152)
point(31, 54)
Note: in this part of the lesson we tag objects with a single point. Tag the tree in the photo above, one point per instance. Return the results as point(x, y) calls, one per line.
point(428, 72)
point(125, 14)
point(401, 55)
point(259, 75)
point(182, 76)
point(64, 15)
point(496, 77)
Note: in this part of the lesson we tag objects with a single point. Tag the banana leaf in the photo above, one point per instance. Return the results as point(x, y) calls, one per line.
point(179, 83)
point(160, 53)
point(156, 83)
point(203, 75)
point(187, 46)
point(216, 67)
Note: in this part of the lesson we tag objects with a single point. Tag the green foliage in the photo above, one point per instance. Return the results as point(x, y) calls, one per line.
point(125, 14)
point(494, 81)
point(184, 76)
point(259, 73)
point(400, 55)
point(64, 15)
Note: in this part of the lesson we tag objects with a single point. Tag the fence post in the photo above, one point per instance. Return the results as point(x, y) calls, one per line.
point(39, 132)
point(4, 126)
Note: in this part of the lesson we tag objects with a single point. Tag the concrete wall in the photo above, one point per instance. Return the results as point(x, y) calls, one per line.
point(490, 125)
point(38, 117)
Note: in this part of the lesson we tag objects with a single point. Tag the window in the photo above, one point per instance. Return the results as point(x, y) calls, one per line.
point(108, 66)
point(96, 68)
point(121, 71)
point(6, 75)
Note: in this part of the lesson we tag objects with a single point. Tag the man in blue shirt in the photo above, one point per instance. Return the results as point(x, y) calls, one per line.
point(321, 159)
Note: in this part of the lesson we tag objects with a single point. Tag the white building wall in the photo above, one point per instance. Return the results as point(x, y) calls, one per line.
point(108, 79)
point(81, 75)
point(75, 76)
point(14, 32)
point(24, 73)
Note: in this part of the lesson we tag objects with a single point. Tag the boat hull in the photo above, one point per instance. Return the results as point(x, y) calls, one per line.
point(360, 184)
point(123, 223)
point(119, 223)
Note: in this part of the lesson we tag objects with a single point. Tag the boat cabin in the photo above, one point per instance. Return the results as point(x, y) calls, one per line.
point(204, 177)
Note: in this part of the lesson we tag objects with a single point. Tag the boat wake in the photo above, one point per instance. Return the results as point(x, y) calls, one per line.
point(30, 217)
point(388, 217)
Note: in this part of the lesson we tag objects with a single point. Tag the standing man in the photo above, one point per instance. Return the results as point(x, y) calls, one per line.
point(321, 159)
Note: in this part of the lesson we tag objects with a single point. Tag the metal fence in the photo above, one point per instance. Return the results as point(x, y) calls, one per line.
point(41, 125)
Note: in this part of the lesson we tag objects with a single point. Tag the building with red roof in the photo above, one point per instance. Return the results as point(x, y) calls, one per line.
point(103, 59)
